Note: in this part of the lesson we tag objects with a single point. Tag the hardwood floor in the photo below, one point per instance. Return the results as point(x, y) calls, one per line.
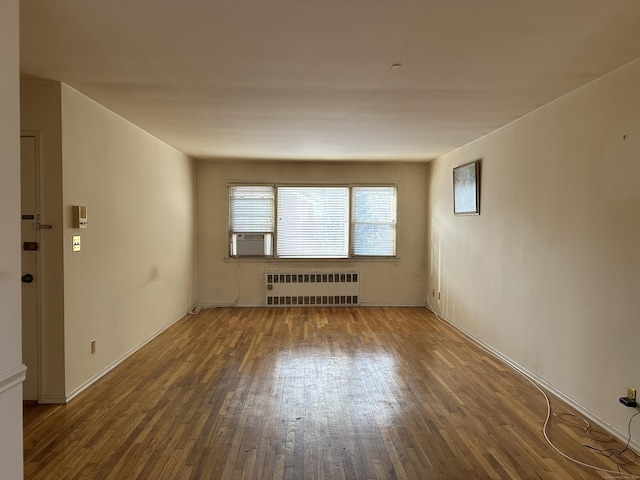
point(308, 393)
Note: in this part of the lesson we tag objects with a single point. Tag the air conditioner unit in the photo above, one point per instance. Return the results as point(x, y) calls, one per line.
point(250, 244)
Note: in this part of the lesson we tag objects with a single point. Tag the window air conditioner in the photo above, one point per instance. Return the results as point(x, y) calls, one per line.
point(249, 244)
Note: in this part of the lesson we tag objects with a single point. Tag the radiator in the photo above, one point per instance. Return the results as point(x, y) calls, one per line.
point(312, 288)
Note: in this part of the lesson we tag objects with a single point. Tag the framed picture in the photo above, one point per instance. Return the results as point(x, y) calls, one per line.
point(466, 189)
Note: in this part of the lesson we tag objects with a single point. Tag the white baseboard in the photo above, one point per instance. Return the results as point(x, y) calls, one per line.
point(391, 305)
point(222, 305)
point(90, 381)
point(12, 377)
point(592, 417)
point(52, 400)
point(205, 306)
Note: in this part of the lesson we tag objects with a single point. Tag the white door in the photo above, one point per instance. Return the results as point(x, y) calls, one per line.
point(30, 239)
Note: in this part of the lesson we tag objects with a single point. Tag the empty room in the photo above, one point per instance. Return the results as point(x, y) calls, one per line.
point(319, 240)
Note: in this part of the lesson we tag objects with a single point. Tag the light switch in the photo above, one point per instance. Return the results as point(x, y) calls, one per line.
point(76, 243)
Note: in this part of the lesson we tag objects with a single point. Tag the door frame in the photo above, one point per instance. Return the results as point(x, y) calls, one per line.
point(38, 198)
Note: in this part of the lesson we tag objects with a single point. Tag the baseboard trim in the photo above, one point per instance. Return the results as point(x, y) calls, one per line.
point(204, 306)
point(52, 400)
point(592, 417)
point(391, 305)
point(12, 377)
point(93, 379)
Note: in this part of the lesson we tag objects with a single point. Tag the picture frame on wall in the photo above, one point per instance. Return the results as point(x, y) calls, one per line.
point(466, 189)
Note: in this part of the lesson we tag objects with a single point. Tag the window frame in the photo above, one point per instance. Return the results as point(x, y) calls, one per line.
point(353, 222)
point(269, 234)
point(350, 227)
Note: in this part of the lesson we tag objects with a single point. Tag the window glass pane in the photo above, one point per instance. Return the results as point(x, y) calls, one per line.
point(251, 208)
point(374, 221)
point(313, 222)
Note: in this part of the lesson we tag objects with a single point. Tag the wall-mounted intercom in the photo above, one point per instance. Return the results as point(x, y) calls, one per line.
point(79, 216)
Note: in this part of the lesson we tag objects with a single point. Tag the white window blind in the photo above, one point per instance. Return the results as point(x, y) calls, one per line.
point(313, 222)
point(373, 218)
point(251, 208)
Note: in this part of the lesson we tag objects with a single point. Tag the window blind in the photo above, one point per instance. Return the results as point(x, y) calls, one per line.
point(251, 208)
point(313, 222)
point(373, 219)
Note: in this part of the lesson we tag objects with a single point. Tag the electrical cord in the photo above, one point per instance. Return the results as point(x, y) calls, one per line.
point(238, 289)
point(604, 438)
point(609, 452)
point(546, 421)
point(589, 431)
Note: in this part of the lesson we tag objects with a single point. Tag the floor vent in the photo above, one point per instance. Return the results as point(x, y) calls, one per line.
point(312, 289)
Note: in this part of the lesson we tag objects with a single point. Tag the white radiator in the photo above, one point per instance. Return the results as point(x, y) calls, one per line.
point(312, 288)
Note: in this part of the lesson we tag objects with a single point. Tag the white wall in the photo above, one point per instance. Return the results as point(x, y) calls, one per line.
point(221, 281)
point(548, 274)
point(135, 273)
point(40, 113)
point(10, 308)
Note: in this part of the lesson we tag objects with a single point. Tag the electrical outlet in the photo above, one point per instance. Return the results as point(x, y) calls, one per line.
point(93, 346)
point(631, 393)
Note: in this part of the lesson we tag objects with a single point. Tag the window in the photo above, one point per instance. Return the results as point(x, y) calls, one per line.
point(312, 221)
point(373, 221)
point(251, 220)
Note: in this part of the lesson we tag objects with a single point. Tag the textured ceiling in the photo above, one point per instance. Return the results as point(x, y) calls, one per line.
point(313, 79)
